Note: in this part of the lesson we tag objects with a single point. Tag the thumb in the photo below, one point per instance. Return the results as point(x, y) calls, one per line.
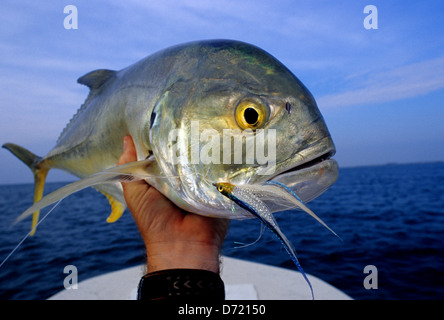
point(129, 151)
point(136, 189)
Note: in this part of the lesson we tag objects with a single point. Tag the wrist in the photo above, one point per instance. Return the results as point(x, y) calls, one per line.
point(183, 256)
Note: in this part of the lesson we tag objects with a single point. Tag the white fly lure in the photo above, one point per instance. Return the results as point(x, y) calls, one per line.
point(262, 201)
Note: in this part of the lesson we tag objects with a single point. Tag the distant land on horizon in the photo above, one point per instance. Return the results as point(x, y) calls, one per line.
point(388, 164)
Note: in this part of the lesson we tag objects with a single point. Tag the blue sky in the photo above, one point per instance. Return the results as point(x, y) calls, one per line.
point(381, 91)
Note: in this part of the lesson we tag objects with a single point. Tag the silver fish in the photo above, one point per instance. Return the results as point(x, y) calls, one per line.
point(195, 89)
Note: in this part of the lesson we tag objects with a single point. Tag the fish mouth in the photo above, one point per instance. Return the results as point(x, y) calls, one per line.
point(313, 177)
point(308, 164)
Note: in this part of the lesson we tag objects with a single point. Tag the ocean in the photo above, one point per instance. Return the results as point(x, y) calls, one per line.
point(390, 217)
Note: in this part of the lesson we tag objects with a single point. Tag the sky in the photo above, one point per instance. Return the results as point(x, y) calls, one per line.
point(381, 91)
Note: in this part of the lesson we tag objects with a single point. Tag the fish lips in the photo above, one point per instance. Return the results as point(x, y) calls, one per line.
point(311, 178)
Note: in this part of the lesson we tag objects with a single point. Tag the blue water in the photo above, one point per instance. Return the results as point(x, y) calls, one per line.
point(390, 216)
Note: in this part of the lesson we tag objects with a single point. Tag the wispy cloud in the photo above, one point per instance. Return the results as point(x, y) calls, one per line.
point(396, 84)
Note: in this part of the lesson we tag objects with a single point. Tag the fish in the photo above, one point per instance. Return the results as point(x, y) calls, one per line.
point(200, 113)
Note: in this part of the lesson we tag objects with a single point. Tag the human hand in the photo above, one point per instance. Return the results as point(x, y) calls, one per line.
point(173, 237)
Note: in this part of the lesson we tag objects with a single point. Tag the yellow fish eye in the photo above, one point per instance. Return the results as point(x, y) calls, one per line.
point(250, 115)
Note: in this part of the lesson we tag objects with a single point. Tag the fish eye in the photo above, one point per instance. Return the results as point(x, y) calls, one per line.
point(220, 188)
point(250, 115)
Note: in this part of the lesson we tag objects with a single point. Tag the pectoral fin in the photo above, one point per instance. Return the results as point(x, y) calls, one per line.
point(126, 172)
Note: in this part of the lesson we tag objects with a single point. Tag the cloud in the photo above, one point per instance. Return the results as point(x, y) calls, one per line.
point(401, 83)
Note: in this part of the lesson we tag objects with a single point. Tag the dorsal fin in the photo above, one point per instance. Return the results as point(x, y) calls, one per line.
point(95, 79)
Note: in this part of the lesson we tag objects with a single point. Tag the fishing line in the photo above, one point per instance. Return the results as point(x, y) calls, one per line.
point(29, 233)
point(244, 245)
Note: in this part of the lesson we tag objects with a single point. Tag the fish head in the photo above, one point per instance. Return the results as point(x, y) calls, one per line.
point(236, 114)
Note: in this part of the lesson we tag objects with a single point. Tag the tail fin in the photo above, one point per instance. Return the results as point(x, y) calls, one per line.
point(40, 172)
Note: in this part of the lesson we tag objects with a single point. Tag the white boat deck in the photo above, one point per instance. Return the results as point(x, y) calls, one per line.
point(243, 280)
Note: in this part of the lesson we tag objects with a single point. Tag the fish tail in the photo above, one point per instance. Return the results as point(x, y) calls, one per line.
point(39, 171)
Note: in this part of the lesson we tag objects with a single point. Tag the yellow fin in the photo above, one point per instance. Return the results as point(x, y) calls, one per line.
point(40, 170)
point(39, 185)
point(117, 209)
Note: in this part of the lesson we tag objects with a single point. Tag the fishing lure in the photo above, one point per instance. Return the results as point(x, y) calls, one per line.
point(247, 198)
point(279, 197)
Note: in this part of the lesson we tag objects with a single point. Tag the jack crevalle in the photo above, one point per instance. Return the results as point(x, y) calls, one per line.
point(200, 114)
